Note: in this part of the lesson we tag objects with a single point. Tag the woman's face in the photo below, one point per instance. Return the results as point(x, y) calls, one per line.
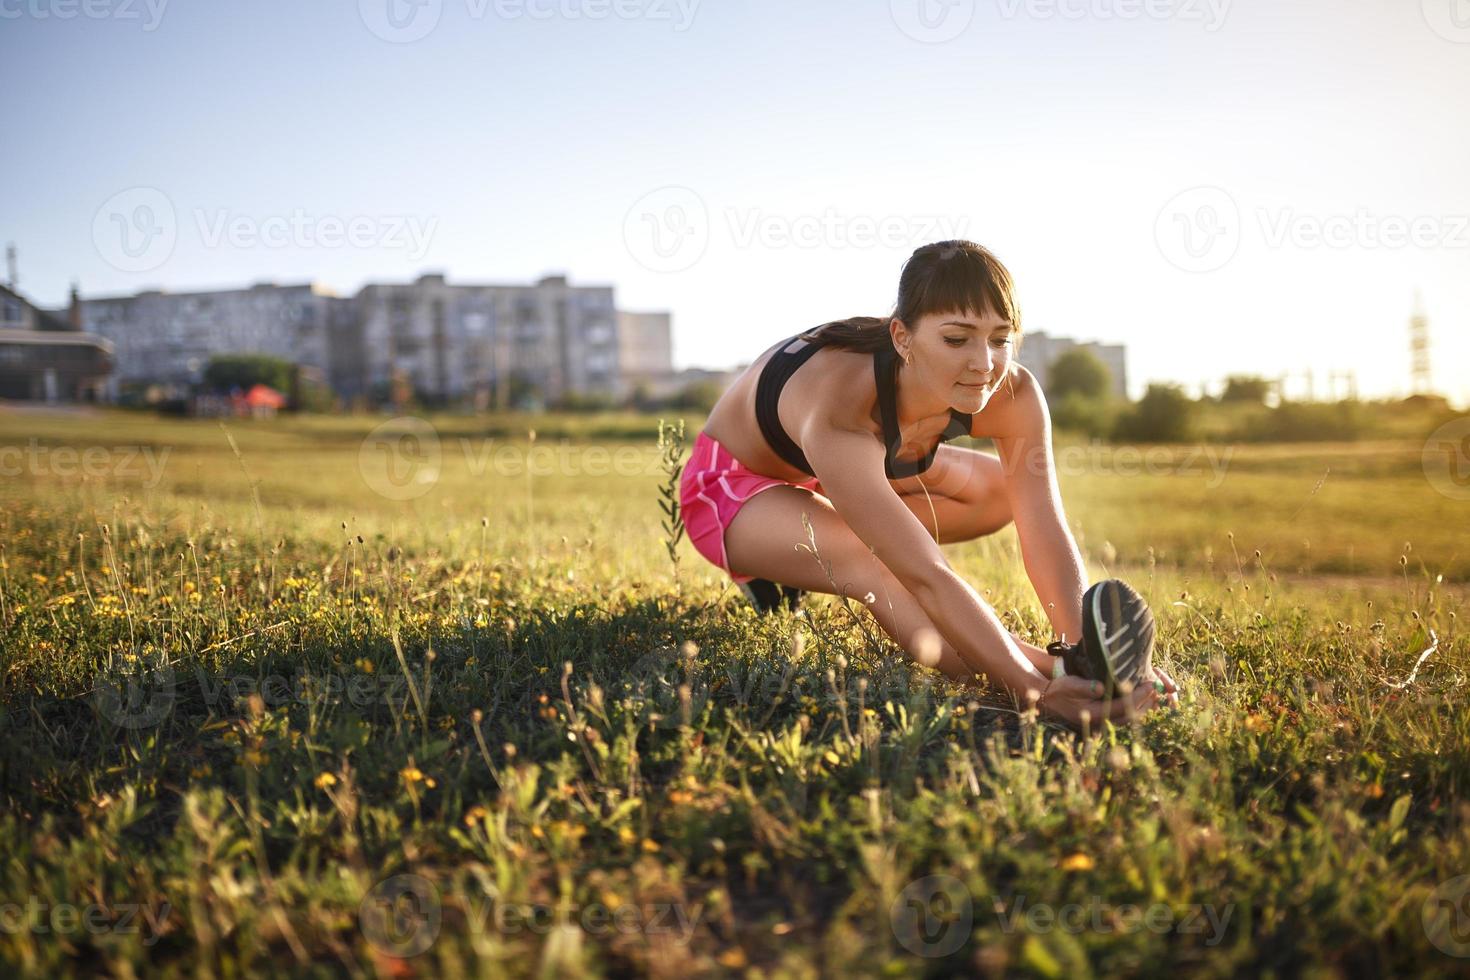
point(962, 357)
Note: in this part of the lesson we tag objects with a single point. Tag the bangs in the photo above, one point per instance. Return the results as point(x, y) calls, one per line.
point(967, 281)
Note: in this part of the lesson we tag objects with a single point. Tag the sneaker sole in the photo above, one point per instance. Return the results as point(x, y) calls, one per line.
point(1124, 653)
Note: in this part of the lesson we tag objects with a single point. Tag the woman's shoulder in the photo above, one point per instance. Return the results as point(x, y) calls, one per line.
point(1014, 409)
point(841, 388)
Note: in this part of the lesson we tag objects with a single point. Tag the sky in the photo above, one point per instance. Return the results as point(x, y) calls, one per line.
point(1224, 186)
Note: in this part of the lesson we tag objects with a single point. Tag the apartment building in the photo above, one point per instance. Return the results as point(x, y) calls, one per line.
point(168, 338)
point(485, 342)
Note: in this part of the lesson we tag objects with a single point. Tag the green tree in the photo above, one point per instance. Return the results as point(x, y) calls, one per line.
point(226, 371)
point(1245, 388)
point(698, 395)
point(1081, 372)
point(1079, 392)
point(1164, 414)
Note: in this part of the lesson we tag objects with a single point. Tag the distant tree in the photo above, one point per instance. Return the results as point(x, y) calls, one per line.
point(574, 401)
point(1164, 414)
point(1079, 372)
point(1245, 388)
point(226, 371)
point(1079, 392)
point(642, 398)
point(698, 395)
point(1095, 417)
point(1342, 421)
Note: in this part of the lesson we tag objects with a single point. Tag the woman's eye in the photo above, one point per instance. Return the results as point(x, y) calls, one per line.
point(1002, 342)
point(955, 341)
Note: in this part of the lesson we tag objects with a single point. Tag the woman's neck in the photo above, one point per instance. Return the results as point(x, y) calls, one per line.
point(912, 404)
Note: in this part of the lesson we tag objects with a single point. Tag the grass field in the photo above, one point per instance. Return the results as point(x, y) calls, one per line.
point(290, 696)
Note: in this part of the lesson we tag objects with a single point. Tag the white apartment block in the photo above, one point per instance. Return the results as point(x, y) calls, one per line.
point(645, 349)
point(450, 341)
point(457, 340)
point(1039, 351)
point(168, 338)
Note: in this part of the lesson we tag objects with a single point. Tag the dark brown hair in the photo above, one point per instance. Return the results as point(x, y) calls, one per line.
point(944, 277)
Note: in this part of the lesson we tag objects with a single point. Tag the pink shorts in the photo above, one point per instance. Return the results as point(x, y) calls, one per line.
point(711, 490)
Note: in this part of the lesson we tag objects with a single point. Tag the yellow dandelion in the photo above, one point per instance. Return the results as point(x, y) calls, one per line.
point(733, 958)
point(1077, 862)
point(324, 780)
point(650, 845)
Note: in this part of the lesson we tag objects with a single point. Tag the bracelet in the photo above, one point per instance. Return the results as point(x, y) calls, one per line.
point(1044, 691)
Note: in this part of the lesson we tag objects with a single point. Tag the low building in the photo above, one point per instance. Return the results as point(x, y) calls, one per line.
point(45, 357)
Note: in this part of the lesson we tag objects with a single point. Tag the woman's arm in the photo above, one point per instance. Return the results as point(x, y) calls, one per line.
point(849, 465)
point(1048, 550)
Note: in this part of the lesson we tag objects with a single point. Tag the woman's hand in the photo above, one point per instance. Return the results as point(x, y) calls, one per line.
point(1068, 699)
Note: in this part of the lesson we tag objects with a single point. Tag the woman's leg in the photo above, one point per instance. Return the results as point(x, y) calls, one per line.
point(966, 494)
point(767, 539)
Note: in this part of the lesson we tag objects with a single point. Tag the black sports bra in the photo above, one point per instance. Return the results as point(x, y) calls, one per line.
point(783, 364)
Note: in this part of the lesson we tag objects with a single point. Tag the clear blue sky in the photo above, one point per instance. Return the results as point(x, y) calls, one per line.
point(1059, 134)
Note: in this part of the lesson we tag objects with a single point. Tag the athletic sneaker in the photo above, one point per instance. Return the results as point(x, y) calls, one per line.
point(767, 596)
point(1117, 638)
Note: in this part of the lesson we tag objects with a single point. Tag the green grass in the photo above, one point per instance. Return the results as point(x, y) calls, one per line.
point(502, 696)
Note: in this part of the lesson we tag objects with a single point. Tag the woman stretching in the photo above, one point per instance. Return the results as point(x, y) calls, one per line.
point(844, 427)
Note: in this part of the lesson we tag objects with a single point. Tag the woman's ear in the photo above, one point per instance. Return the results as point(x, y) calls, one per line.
point(898, 332)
